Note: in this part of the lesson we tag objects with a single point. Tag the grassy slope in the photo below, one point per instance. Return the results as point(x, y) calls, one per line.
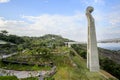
point(78, 72)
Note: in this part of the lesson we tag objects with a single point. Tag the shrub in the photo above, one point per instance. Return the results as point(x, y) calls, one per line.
point(110, 66)
point(30, 78)
point(83, 54)
point(8, 78)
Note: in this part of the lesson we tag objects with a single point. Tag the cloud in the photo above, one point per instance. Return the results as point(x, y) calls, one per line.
point(113, 17)
point(109, 24)
point(14, 26)
point(93, 2)
point(98, 1)
point(67, 26)
point(2, 22)
point(4, 1)
point(72, 27)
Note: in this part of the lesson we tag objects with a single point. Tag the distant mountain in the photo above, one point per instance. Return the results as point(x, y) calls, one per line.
point(110, 40)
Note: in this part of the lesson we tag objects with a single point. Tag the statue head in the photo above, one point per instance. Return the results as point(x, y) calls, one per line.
point(90, 9)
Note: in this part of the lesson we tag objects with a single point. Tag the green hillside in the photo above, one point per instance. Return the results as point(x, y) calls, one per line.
point(42, 53)
point(108, 59)
point(77, 71)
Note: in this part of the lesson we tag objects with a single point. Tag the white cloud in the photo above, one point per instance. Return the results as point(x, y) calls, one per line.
point(114, 17)
point(14, 26)
point(93, 2)
point(99, 1)
point(68, 26)
point(115, 20)
point(2, 22)
point(4, 1)
point(72, 27)
point(109, 26)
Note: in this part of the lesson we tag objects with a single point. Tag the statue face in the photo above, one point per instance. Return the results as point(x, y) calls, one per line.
point(90, 9)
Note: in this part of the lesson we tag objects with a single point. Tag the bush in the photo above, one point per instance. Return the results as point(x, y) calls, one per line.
point(30, 78)
point(110, 66)
point(105, 63)
point(49, 78)
point(8, 78)
point(83, 54)
point(79, 49)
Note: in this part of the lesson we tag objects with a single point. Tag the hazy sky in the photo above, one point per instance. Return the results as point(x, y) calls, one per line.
point(61, 17)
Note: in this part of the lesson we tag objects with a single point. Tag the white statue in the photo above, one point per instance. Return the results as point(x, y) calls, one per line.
point(92, 51)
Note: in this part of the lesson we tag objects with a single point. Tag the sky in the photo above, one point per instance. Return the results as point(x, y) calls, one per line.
point(62, 17)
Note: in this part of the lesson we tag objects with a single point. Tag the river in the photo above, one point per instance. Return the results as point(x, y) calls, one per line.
point(111, 46)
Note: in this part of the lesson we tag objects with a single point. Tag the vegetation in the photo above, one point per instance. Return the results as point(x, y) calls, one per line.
point(8, 78)
point(36, 78)
point(76, 70)
point(22, 67)
point(8, 49)
point(36, 56)
point(110, 66)
point(10, 38)
point(11, 42)
point(35, 59)
point(105, 63)
point(42, 53)
point(30, 78)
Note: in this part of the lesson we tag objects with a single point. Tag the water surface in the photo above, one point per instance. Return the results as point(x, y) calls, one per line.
point(111, 46)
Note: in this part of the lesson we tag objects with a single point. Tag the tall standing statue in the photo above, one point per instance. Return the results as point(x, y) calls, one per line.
point(92, 51)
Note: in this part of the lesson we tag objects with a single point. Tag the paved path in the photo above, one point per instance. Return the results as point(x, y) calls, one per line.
point(25, 74)
point(22, 74)
point(9, 55)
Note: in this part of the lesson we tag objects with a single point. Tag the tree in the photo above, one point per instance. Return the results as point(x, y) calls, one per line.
point(4, 32)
